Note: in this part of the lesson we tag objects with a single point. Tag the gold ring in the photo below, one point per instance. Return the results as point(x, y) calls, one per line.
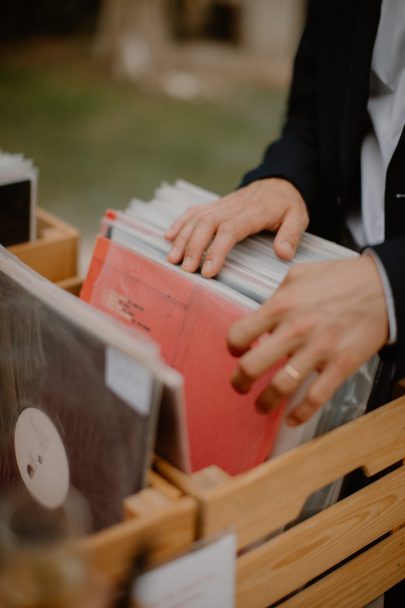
point(292, 372)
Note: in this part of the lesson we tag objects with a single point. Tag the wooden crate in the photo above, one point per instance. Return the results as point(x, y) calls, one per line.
point(54, 254)
point(360, 537)
point(159, 518)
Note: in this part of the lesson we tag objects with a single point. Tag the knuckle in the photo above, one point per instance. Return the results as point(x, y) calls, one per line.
point(345, 362)
point(192, 213)
point(322, 348)
point(226, 229)
point(280, 305)
point(301, 326)
point(206, 222)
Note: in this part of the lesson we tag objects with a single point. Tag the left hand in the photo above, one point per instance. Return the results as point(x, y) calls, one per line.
point(328, 317)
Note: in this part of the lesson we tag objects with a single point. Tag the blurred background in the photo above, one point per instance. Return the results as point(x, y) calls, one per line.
point(111, 97)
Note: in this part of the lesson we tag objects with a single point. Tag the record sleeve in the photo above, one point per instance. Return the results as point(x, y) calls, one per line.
point(79, 397)
point(18, 186)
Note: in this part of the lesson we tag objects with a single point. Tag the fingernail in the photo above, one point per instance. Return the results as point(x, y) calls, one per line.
point(207, 268)
point(187, 263)
point(286, 248)
point(241, 385)
point(266, 405)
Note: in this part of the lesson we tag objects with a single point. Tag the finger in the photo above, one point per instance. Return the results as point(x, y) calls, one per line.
point(288, 380)
point(230, 231)
point(181, 221)
point(197, 232)
point(256, 323)
point(176, 254)
point(198, 241)
point(264, 355)
point(289, 233)
point(197, 210)
point(330, 378)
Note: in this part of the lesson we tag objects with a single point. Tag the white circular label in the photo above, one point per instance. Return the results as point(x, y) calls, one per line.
point(41, 458)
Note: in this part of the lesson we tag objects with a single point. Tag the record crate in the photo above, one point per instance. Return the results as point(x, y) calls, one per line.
point(159, 520)
point(54, 253)
point(346, 555)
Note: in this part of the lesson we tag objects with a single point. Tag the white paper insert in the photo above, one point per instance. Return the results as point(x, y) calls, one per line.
point(129, 380)
point(200, 579)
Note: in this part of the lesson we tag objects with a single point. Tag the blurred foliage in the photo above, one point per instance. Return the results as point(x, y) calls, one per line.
point(98, 142)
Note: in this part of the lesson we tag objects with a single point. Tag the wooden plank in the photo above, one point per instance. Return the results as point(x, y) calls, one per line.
point(163, 531)
point(186, 483)
point(292, 559)
point(359, 581)
point(54, 254)
point(46, 220)
point(145, 502)
point(268, 497)
point(156, 481)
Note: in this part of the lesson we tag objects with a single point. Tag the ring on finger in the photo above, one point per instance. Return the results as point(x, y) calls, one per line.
point(291, 372)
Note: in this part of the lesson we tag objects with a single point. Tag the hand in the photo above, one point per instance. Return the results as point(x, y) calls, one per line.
point(328, 317)
point(272, 204)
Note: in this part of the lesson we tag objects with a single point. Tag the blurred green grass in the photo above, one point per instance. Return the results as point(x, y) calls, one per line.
point(98, 142)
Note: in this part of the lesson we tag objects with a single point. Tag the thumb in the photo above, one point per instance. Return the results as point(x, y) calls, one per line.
point(289, 234)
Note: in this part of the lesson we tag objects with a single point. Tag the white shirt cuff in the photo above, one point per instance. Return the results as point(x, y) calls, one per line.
point(389, 299)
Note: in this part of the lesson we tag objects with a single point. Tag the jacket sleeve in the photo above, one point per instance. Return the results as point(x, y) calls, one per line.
point(392, 255)
point(294, 155)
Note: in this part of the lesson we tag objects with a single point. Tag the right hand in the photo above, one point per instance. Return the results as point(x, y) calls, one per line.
point(272, 204)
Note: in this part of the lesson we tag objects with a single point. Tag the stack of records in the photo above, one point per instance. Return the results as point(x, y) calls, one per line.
point(190, 316)
point(79, 397)
point(251, 268)
point(18, 187)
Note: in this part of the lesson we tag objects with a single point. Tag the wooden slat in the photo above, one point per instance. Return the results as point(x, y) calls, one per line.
point(164, 531)
point(46, 220)
point(287, 562)
point(156, 481)
point(271, 495)
point(145, 502)
point(359, 581)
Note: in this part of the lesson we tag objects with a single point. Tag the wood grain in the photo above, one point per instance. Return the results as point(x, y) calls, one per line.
point(287, 562)
point(359, 581)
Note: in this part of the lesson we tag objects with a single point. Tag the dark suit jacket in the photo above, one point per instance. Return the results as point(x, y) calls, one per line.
point(327, 119)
